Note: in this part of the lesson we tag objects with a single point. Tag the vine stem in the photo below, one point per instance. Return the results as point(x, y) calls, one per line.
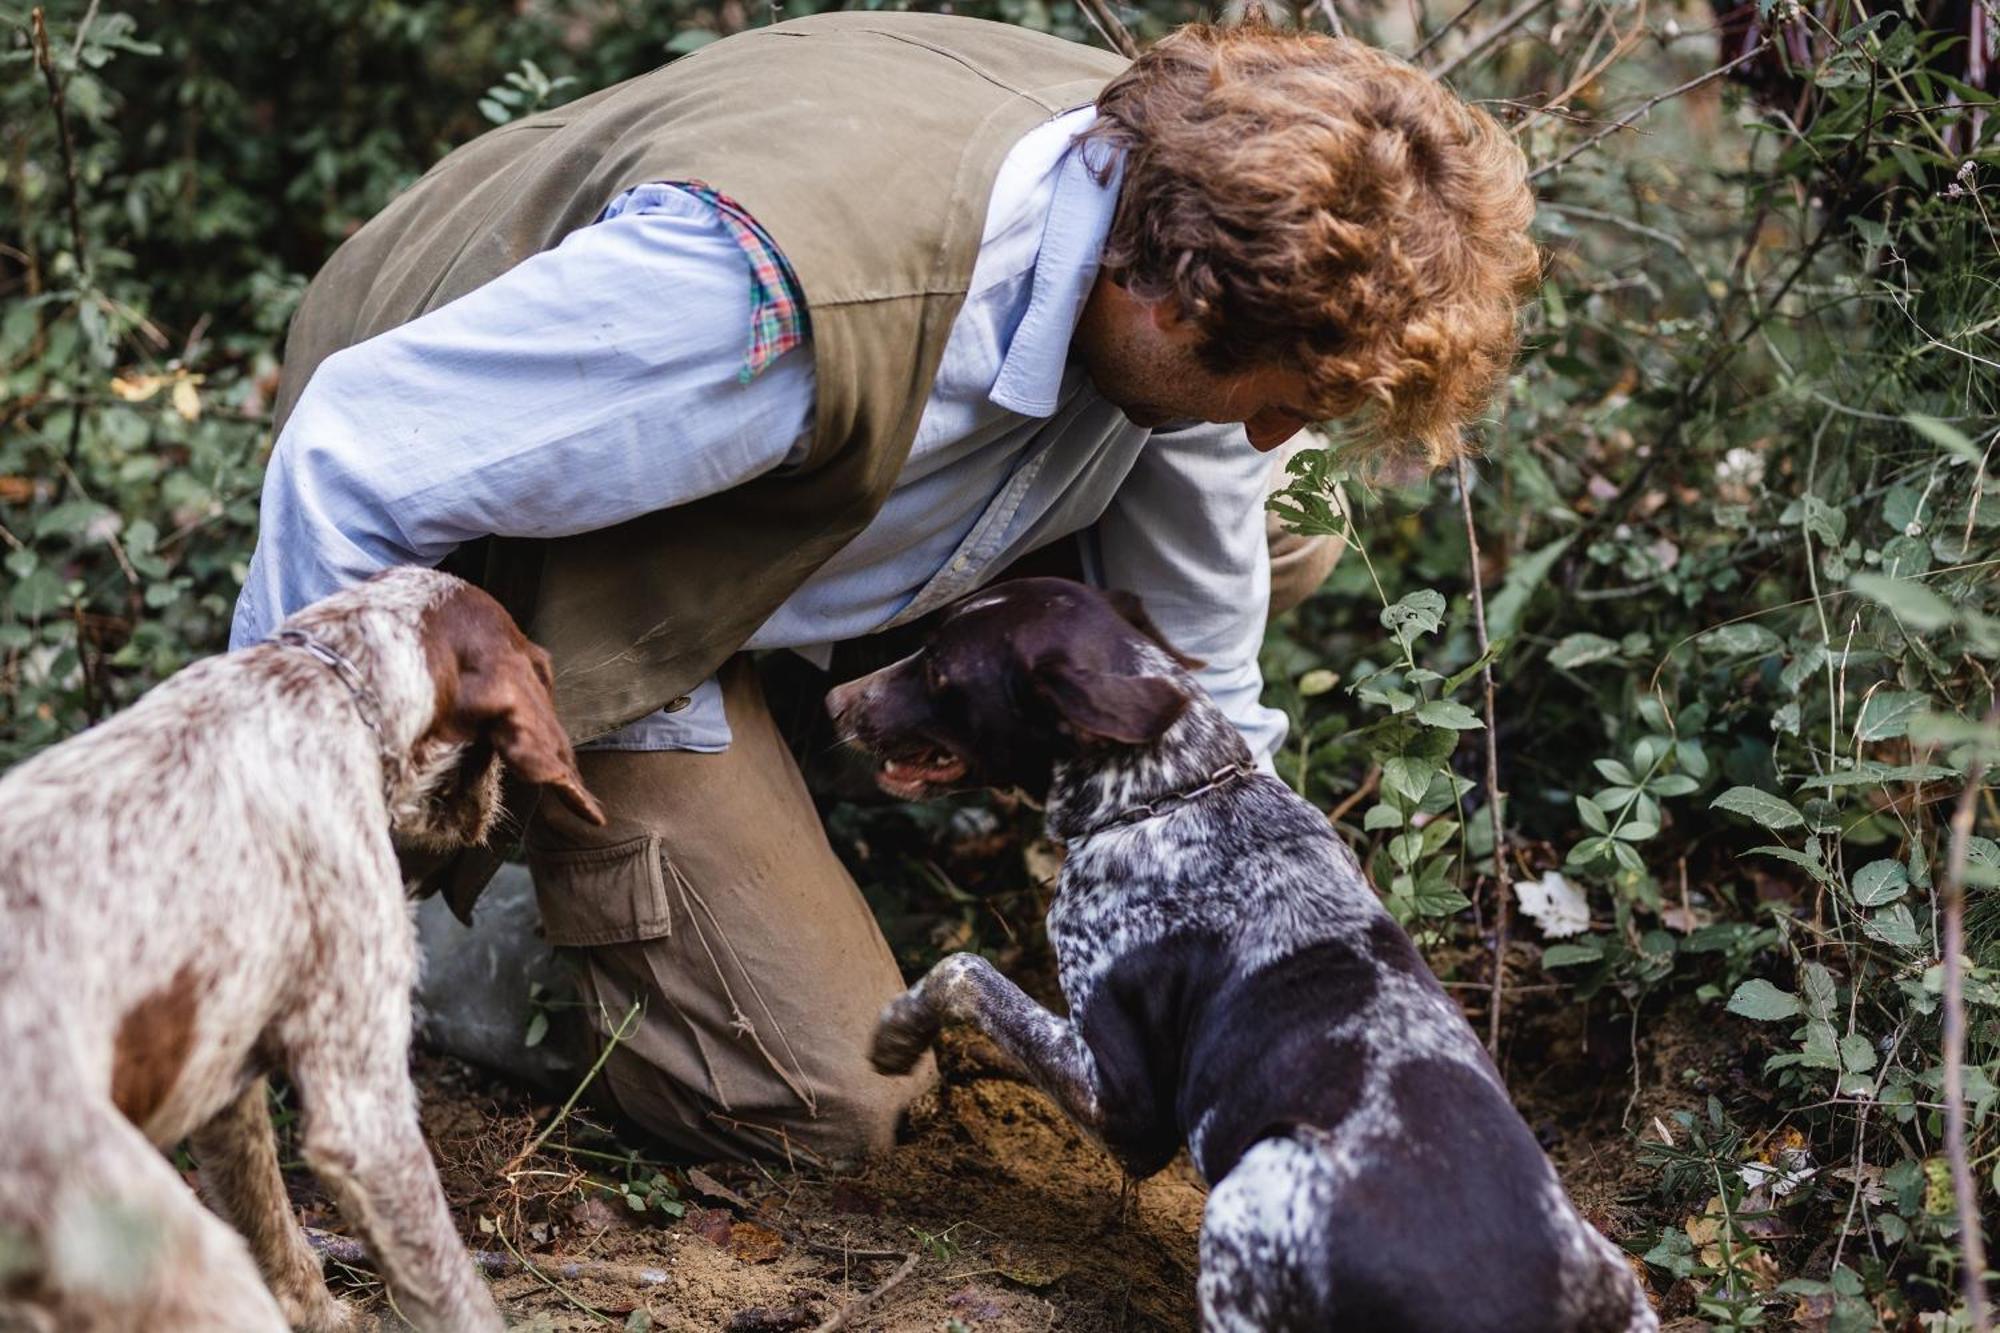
point(1500, 903)
point(39, 38)
point(46, 63)
point(1972, 1241)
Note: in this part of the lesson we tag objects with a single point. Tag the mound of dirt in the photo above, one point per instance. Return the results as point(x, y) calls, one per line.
point(992, 1215)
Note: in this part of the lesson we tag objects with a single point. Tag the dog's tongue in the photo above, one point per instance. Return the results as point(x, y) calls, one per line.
point(911, 778)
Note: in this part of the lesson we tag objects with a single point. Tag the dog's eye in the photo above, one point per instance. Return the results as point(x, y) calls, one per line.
point(935, 678)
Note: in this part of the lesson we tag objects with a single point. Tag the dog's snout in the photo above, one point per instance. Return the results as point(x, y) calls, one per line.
point(843, 699)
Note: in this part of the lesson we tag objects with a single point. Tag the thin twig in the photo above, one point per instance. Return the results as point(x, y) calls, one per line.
point(351, 1253)
point(1449, 24)
point(1972, 1242)
point(47, 64)
point(854, 1309)
point(1109, 27)
point(1491, 37)
point(623, 1030)
point(1357, 796)
point(1639, 112)
point(1500, 903)
point(40, 39)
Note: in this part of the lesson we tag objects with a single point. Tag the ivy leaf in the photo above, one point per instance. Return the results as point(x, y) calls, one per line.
point(1773, 812)
point(1760, 1000)
point(1450, 714)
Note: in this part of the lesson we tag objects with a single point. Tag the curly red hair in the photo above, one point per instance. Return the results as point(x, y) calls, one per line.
point(1315, 203)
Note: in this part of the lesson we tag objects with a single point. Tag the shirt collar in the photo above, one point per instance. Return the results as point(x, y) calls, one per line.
point(1080, 213)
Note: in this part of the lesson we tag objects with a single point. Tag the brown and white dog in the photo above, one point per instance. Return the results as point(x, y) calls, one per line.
point(203, 890)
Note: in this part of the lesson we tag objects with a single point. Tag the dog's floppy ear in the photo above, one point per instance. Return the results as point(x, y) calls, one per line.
point(1133, 612)
point(503, 691)
point(1099, 706)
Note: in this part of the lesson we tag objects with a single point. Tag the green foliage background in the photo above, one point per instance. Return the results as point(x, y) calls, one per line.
point(1738, 519)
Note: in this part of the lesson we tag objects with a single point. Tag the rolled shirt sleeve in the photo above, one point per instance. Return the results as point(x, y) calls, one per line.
point(1186, 533)
point(588, 385)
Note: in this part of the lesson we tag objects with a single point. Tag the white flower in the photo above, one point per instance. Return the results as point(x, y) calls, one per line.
point(1554, 904)
point(1744, 467)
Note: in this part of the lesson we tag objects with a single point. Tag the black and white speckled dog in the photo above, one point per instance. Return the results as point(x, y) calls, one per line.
point(1234, 983)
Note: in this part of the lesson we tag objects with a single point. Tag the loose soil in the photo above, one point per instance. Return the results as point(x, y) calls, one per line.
point(1015, 1220)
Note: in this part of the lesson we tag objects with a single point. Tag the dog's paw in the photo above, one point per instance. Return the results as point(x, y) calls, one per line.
point(902, 1035)
point(323, 1312)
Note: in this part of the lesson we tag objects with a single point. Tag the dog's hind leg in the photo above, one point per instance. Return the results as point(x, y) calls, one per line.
point(238, 1155)
point(965, 988)
point(1263, 1244)
point(125, 1245)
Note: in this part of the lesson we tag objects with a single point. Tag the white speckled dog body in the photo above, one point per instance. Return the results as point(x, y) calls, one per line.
point(1234, 983)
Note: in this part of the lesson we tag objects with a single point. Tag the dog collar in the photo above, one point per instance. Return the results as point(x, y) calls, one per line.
point(366, 702)
point(1226, 776)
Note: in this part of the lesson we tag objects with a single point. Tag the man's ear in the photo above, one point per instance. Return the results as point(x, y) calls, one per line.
point(501, 689)
point(1096, 706)
point(1133, 612)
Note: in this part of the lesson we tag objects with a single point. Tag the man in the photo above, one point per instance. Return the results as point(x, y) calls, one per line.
point(804, 336)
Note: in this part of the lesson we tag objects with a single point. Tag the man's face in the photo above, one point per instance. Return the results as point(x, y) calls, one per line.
point(1141, 356)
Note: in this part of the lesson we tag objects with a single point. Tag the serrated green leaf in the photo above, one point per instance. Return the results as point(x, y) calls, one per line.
point(1589, 949)
point(1449, 714)
point(1415, 615)
point(1766, 1003)
point(1408, 778)
point(1773, 812)
point(1525, 577)
point(1792, 856)
point(1857, 1053)
point(1581, 650)
point(1380, 816)
point(1886, 714)
point(1880, 882)
point(1739, 640)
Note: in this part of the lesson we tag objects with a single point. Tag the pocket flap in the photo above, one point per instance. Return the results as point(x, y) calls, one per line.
point(603, 895)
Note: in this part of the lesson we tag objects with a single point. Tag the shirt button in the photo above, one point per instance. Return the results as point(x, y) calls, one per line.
point(958, 565)
point(680, 703)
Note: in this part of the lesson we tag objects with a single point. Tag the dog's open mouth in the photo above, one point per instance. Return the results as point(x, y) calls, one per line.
point(915, 776)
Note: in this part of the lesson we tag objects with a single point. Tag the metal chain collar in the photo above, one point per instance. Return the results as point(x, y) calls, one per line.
point(1220, 778)
point(366, 702)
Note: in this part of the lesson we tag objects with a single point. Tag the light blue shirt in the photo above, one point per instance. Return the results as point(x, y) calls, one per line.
point(598, 381)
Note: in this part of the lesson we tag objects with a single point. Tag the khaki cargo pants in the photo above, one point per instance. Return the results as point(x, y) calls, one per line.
point(713, 903)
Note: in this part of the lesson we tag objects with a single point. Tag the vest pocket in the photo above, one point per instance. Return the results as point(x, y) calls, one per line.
point(603, 895)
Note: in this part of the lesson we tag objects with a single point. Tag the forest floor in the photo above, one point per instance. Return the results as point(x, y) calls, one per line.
point(992, 1213)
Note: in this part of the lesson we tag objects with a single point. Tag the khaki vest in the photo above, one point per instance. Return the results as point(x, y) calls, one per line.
point(866, 144)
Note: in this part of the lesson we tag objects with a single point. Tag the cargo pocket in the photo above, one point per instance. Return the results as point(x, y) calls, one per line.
point(603, 895)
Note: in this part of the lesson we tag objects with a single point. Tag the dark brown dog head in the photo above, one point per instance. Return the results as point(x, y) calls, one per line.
point(495, 696)
point(1011, 680)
